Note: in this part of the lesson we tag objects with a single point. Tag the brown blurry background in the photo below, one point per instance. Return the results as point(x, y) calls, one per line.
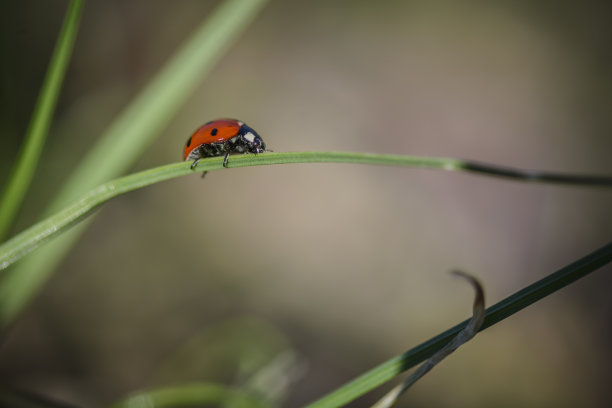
point(346, 264)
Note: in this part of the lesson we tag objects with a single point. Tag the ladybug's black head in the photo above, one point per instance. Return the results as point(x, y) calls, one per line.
point(254, 142)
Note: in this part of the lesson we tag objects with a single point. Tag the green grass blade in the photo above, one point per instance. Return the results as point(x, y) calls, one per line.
point(127, 138)
point(192, 395)
point(496, 313)
point(28, 157)
point(28, 240)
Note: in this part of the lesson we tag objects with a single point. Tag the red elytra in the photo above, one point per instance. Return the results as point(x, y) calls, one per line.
point(215, 131)
point(222, 137)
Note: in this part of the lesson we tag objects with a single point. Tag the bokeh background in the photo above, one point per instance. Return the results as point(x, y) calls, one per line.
point(345, 265)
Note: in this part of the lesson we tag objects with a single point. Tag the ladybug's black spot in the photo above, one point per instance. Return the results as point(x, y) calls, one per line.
point(188, 142)
point(213, 132)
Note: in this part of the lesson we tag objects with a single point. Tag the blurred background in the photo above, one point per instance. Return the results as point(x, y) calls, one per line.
point(343, 266)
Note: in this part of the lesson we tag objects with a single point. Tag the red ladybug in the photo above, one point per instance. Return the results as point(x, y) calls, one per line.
point(222, 137)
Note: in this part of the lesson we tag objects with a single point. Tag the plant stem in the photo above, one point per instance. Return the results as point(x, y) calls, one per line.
point(28, 240)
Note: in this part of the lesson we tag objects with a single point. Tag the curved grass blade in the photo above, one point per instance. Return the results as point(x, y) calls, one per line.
point(28, 240)
point(465, 335)
point(29, 154)
point(494, 314)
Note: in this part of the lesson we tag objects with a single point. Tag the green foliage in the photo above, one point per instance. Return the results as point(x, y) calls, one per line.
point(494, 314)
point(127, 137)
point(132, 132)
point(41, 119)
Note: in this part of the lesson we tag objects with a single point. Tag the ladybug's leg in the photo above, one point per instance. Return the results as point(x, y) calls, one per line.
point(195, 162)
point(225, 159)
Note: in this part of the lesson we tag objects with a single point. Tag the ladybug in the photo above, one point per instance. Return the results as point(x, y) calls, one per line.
point(222, 137)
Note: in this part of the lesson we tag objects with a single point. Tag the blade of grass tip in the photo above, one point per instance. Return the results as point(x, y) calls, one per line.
point(205, 394)
point(494, 314)
point(465, 335)
point(127, 137)
point(38, 128)
point(534, 175)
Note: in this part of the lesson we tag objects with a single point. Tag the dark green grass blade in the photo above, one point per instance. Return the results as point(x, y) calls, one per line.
point(38, 128)
point(496, 313)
